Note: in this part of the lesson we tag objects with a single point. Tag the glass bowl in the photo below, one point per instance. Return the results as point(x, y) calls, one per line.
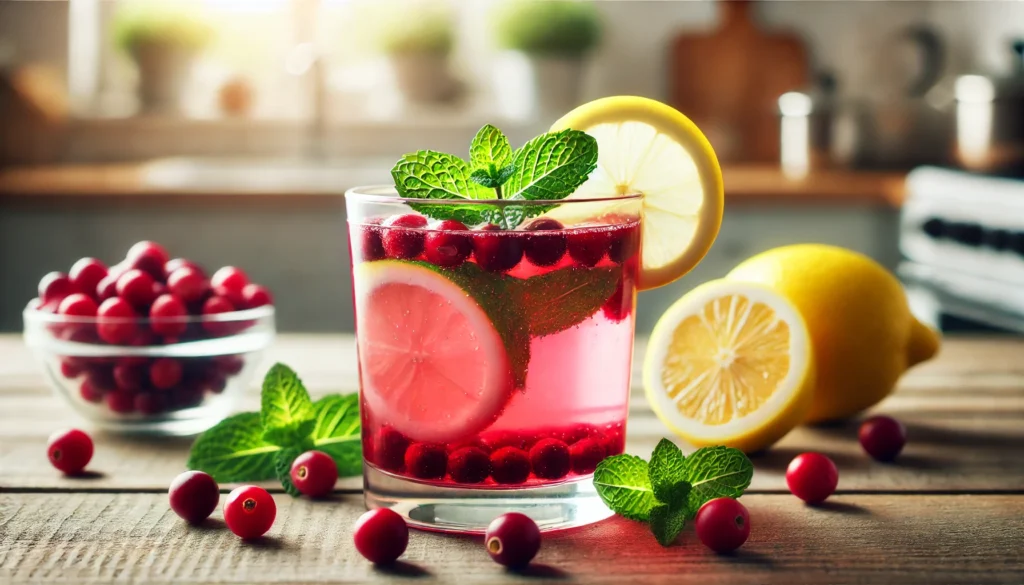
point(180, 385)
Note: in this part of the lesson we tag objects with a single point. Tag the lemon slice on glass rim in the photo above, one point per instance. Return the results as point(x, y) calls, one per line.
point(730, 364)
point(645, 146)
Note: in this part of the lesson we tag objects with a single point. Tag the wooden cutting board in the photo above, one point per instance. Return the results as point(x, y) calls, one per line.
point(728, 82)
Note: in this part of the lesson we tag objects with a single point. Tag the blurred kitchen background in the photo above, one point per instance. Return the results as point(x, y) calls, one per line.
point(228, 130)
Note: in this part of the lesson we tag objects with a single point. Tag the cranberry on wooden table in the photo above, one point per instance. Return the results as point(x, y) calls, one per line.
point(381, 536)
point(723, 524)
point(314, 473)
point(194, 496)
point(512, 539)
point(812, 477)
point(69, 451)
point(882, 437)
point(249, 511)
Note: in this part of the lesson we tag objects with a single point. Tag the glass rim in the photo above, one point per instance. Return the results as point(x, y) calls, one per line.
point(388, 194)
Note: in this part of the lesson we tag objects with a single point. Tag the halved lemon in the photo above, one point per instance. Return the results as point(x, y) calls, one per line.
point(730, 364)
point(645, 146)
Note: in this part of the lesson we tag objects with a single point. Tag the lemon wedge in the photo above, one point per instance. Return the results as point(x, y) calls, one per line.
point(730, 363)
point(645, 146)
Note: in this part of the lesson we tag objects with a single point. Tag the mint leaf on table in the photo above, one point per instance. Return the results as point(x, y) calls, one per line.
point(624, 486)
point(667, 522)
point(490, 147)
point(565, 298)
point(234, 450)
point(716, 472)
point(284, 402)
point(256, 446)
point(666, 470)
point(337, 432)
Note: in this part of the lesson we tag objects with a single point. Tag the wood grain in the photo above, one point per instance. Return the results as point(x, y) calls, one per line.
point(91, 538)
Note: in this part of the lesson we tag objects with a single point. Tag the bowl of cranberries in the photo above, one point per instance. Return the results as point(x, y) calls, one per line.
point(152, 344)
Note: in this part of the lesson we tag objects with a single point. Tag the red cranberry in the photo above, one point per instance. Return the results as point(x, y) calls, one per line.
point(389, 449)
point(90, 393)
point(70, 368)
point(187, 397)
point(188, 284)
point(149, 257)
point(619, 305)
point(86, 274)
point(136, 287)
point(314, 473)
point(403, 236)
point(512, 539)
point(624, 243)
point(194, 496)
point(177, 263)
point(228, 282)
point(510, 465)
point(446, 248)
point(723, 524)
point(165, 373)
point(426, 461)
point(381, 536)
point(120, 401)
point(545, 250)
point(496, 252)
point(54, 287)
point(586, 454)
point(882, 437)
point(130, 377)
point(69, 451)
point(117, 321)
point(78, 305)
point(371, 247)
point(101, 376)
point(249, 511)
point(106, 288)
point(216, 305)
point(167, 316)
point(497, 439)
point(254, 295)
point(550, 459)
point(230, 365)
point(469, 465)
point(588, 246)
point(150, 403)
point(812, 477)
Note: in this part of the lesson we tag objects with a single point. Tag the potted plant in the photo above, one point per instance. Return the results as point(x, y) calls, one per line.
point(163, 42)
point(417, 37)
point(545, 45)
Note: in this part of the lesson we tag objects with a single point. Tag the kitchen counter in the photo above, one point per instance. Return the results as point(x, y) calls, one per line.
point(310, 183)
point(949, 510)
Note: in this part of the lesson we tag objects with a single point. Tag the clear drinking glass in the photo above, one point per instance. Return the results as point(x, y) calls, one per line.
point(494, 364)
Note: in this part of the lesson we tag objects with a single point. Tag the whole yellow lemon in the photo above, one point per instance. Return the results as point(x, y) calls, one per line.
point(861, 329)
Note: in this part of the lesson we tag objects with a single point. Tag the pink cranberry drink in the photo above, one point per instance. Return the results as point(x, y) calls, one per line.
point(494, 363)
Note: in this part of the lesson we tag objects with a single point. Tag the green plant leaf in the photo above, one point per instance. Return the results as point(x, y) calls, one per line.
point(565, 298)
point(295, 433)
point(716, 472)
point(624, 486)
point(338, 430)
point(552, 166)
point(285, 403)
point(234, 450)
point(484, 177)
point(667, 468)
point(283, 468)
point(428, 174)
point(490, 148)
point(667, 522)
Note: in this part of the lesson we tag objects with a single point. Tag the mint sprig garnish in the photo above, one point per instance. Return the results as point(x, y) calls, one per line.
point(256, 446)
point(668, 492)
point(549, 167)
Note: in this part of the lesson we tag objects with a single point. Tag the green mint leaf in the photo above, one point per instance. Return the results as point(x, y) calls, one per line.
point(490, 147)
point(667, 468)
point(716, 472)
point(484, 177)
point(505, 173)
point(667, 522)
point(234, 450)
point(283, 469)
point(552, 166)
point(565, 298)
point(675, 494)
point(428, 174)
point(293, 434)
point(285, 403)
point(337, 432)
point(624, 486)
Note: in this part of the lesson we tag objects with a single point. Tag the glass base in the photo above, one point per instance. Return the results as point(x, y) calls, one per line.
point(462, 510)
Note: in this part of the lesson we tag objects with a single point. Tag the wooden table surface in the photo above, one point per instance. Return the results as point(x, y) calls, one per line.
point(951, 510)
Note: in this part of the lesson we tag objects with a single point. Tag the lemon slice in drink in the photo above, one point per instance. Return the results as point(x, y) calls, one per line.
point(730, 364)
point(648, 147)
